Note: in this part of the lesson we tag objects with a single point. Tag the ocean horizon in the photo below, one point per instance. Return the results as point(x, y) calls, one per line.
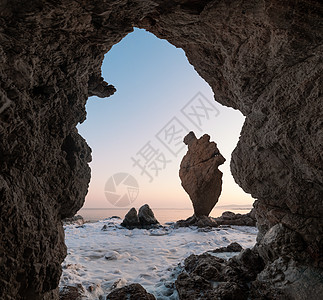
point(163, 215)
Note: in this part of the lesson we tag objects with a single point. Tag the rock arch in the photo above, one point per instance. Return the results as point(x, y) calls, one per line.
point(261, 57)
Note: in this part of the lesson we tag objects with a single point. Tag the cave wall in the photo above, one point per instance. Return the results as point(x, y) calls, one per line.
point(261, 57)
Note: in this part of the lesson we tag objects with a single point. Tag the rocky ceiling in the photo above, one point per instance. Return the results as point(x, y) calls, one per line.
point(263, 58)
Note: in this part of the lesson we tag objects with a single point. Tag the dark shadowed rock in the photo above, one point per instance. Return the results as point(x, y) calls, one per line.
point(263, 58)
point(233, 247)
point(230, 218)
point(146, 216)
point(130, 292)
point(232, 277)
point(145, 219)
point(201, 222)
point(131, 219)
point(199, 173)
point(279, 240)
point(71, 292)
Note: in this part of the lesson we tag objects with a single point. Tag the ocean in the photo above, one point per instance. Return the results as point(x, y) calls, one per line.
point(163, 215)
point(102, 255)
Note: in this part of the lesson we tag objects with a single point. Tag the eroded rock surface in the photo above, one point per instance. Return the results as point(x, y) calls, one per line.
point(72, 292)
point(199, 173)
point(131, 292)
point(202, 221)
point(230, 218)
point(263, 58)
point(232, 277)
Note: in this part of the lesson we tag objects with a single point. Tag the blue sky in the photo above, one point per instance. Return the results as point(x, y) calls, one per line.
point(154, 81)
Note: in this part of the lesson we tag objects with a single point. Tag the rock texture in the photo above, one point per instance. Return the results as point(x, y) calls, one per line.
point(146, 216)
point(263, 58)
point(72, 293)
point(199, 173)
point(202, 221)
point(233, 247)
point(145, 219)
point(131, 219)
point(131, 292)
point(232, 277)
point(230, 218)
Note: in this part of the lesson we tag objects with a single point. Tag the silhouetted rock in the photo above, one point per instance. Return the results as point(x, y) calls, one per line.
point(130, 292)
point(199, 173)
point(144, 220)
point(201, 222)
point(230, 218)
point(146, 216)
point(131, 219)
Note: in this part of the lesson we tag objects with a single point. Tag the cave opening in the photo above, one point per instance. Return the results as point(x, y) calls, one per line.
point(156, 87)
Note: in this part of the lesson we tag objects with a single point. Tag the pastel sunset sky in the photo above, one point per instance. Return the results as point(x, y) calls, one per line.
point(159, 98)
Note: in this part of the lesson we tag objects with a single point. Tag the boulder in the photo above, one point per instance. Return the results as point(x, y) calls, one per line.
point(232, 277)
point(131, 292)
point(131, 219)
point(201, 222)
point(199, 173)
point(71, 292)
point(146, 216)
point(233, 247)
point(230, 218)
point(145, 219)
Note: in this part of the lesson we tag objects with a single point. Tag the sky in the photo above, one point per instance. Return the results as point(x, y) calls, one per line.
point(136, 134)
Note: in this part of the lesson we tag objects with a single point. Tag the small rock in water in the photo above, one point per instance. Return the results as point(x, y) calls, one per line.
point(131, 292)
point(71, 292)
point(77, 219)
point(201, 222)
point(113, 255)
point(233, 247)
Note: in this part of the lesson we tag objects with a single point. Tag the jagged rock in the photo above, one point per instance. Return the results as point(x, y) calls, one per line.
point(260, 57)
point(233, 247)
point(280, 241)
point(78, 220)
point(145, 219)
point(230, 218)
point(199, 173)
point(304, 282)
point(131, 219)
point(201, 222)
point(131, 292)
point(71, 292)
point(233, 277)
point(146, 216)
